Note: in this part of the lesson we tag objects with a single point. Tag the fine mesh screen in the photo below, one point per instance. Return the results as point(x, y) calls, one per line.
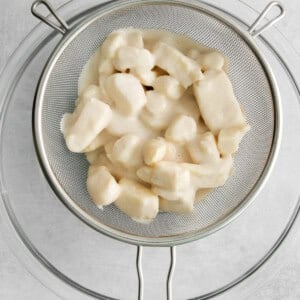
point(251, 86)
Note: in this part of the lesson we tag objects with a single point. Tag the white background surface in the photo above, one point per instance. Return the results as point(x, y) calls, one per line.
point(16, 283)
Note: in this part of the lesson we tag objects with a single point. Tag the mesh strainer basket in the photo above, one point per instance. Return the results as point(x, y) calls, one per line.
point(254, 87)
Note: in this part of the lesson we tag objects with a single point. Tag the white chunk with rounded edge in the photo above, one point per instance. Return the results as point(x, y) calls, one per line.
point(154, 121)
point(128, 151)
point(179, 66)
point(92, 156)
point(101, 139)
point(188, 106)
point(121, 124)
point(108, 148)
point(156, 102)
point(182, 129)
point(170, 175)
point(145, 173)
point(91, 118)
point(179, 207)
point(217, 103)
point(120, 38)
point(102, 186)
point(183, 203)
point(104, 96)
point(176, 152)
point(154, 151)
point(169, 86)
point(166, 174)
point(178, 201)
point(146, 77)
point(211, 61)
point(106, 67)
point(193, 53)
point(210, 175)
point(127, 93)
point(137, 201)
point(203, 149)
point(93, 91)
point(230, 138)
point(117, 170)
point(133, 58)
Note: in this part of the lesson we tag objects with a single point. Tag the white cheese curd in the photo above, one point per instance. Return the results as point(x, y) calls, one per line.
point(168, 86)
point(181, 67)
point(102, 186)
point(127, 93)
point(182, 129)
point(133, 58)
point(158, 133)
point(137, 201)
point(217, 103)
point(90, 119)
point(204, 149)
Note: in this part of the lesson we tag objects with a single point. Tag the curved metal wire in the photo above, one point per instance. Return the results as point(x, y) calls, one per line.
point(171, 272)
point(140, 272)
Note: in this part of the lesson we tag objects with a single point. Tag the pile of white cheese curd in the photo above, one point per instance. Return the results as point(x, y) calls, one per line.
point(158, 121)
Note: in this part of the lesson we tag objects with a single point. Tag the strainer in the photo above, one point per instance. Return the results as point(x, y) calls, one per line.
point(254, 86)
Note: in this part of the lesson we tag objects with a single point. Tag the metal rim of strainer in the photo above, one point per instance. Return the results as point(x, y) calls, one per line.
point(71, 33)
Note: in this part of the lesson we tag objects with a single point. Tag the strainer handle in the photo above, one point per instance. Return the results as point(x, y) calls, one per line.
point(140, 272)
point(62, 26)
point(254, 30)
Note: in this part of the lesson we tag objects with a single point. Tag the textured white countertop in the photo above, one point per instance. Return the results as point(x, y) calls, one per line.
point(16, 283)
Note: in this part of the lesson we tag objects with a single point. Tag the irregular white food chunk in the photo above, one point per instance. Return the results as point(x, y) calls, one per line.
point(109, 149)
point(154, 121)
point(193, 53)
point(117, 170)
point(93, 91)
point(145, 174)
point(89, 120)
point(93, 155)
point(146, 77)
point(128, 151)
point(121, 124)
point(179, 66)
point(170, 175)
point(156, 102)
point(120, 38)
point(154, 151)
point(104, 96)
point(179, 207)
point(101, 139)
point(210, 175)
point(217, 103)
point(211, 61)
point(131, 58)
point(106, 67)
point(177, 153)
point(230, 138)
point(166, 174)
point(182, 129)
point(102, 186)
point(127, 93)
point(203, 149)
point(188, 106)
point(169, 86)
point(137, 201)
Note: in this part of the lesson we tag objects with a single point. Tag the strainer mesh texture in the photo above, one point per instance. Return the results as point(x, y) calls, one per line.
point(251, 86)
